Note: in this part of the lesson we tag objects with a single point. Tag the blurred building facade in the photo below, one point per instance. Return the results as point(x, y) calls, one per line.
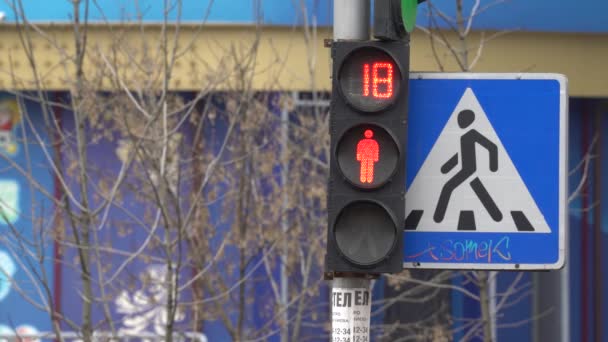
point(513, 36)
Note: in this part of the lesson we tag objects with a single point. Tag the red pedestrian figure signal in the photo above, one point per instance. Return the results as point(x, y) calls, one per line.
point(368, 152)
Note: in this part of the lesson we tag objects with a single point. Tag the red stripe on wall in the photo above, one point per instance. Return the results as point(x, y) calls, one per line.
point(58, 255)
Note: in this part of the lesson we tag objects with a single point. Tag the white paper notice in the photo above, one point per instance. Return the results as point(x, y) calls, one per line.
point(350, 315)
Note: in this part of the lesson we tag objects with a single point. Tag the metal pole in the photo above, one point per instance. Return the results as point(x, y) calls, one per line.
point(351, 295)
point(284, 223)
point(565, 302)
point(351, 301)
point(493, 275)
point(351, 19)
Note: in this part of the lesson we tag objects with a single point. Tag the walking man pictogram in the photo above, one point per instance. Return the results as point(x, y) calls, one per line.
point(468, 168)
point(368, 153)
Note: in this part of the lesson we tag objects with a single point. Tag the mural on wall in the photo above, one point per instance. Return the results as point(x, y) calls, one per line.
point(154, 149)
point(137, 286)
point(24, 329)
point(25, 251)
point(7, 270)
point(9, 202)
point(10, 117)
point(144, 310)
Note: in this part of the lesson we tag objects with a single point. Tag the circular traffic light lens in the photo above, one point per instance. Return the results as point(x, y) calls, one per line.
point(365, 233)
point(369, 79)
point(367, 155)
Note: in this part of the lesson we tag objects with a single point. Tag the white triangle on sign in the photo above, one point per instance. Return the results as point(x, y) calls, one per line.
point(465, 211)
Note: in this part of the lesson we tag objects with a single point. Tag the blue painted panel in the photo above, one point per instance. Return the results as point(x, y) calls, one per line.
point(514, 321)
point(26, 252)
point(233, 11)
point(604, 221)
point(537, 15)
point(464, 308)
point(134, 294)
point(574, 232)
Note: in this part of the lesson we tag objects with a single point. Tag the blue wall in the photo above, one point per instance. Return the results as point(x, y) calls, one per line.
point(537, 15)
point(586, 119)
point(26, 251)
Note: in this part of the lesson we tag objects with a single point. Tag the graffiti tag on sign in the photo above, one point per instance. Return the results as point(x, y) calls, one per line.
point(466, 250)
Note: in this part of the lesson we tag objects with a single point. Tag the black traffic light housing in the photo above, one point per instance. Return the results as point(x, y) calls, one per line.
point(389, 23)
point(368, 128)
point(387, 20)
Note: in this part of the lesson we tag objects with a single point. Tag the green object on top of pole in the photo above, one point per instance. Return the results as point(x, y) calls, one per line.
point(408, 14)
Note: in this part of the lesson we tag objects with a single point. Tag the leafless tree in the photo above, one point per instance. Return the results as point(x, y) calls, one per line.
point(190, 181)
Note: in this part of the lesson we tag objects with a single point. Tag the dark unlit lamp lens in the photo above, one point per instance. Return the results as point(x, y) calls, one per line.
point(365, 233)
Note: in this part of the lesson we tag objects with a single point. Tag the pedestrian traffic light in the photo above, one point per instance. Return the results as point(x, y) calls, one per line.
point(368, 128)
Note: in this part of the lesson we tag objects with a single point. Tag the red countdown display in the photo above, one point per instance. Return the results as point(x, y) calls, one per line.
point(369, 79)
point(377, 81)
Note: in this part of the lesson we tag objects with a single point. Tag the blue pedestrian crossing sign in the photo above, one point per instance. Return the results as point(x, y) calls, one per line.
point(486, 171)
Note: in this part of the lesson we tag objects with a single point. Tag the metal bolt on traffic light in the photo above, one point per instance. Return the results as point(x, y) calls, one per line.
point(368, 131)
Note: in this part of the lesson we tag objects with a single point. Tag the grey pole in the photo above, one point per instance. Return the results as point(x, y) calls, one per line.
point(351, 19)
point(564, 302)
point(351, 295)
point(351, 303)
point(284, 293)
